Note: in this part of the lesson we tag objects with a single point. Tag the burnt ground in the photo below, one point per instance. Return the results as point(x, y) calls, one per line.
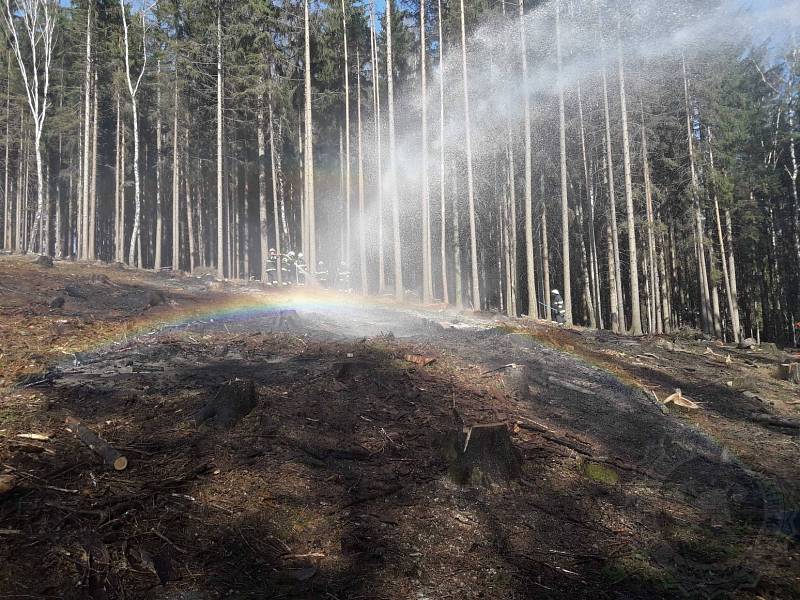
point(333, 485)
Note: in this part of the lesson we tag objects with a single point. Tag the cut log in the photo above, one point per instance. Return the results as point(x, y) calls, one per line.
point(234, 401)
point(775, 421)
point(7, 483)
point(481, 455)
point(96, 444)
point(419, 359)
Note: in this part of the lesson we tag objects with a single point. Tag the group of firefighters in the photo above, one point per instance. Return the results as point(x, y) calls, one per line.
point(294, 271)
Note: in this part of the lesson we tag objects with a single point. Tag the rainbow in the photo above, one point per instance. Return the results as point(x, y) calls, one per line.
point(238, 305)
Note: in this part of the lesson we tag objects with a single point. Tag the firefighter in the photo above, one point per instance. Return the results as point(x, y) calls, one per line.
point(557, 307)
point(343, 277)
point(322, 274)
point(300, 269)
point(272, 267)
point(287, 268)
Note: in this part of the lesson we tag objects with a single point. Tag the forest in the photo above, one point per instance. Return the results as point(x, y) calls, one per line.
point(640, 157)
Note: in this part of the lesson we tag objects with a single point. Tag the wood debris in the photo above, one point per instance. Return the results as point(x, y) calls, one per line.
point(678, 400)
point(419, 359)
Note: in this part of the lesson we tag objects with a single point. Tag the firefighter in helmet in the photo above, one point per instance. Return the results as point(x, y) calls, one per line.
point(343, 277)
point(272, 267)
point(557, 307)
point(300, 269)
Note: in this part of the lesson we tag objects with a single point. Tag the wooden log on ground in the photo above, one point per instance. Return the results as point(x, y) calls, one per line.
point(110, 455)
point(234, 401)
point(7, 483)
point(766, 419)
point(481, 455)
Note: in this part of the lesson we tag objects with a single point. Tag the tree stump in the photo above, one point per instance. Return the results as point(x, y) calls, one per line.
point(481, 455)
point(233, 401)
point(44, 261)
point(790, 372)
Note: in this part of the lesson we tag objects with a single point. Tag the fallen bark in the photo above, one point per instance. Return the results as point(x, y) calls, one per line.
point(110, 455)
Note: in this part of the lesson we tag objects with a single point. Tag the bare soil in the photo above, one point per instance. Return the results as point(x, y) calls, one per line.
point(334, 485)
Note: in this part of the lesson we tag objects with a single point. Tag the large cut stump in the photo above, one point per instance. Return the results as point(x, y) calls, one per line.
point(233, 401)
point(790, 372)
point(481, 455)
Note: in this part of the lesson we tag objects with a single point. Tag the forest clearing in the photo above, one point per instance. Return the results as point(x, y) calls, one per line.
point(402, 299)
point(333, 484)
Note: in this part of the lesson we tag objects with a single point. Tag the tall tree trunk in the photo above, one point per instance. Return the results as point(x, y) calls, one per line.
point(651, 238)
point(19, 215)
point(533, 307)
point(587, 283)
point(308, 155)
point(176, 188)
point(6, 196)
point(92, 255)
point(189, 208)
point(117, 184)
point(511, 234)
point(613, 301)
point(442, 167)
point(362, 230)
point(617, 312)
point(473, 234)
point(274, 159)
point(399, 290)
point(427, 262)
point(733, 301)
point(137, 196)
point(122, 166)
point(347, 168)
point(159, 159)
point(633, 259)
point(459, 290)
point(220, 152)
point(795, 168)
point(705, 299)
point(376, 99)
point(135, 247)
point(594, 270)
point(545, 252)
point(564, 196)
point(262, 193)
point(87, 132)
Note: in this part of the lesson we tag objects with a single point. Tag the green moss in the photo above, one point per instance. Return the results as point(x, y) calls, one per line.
point(600, 473)
point(637, 568)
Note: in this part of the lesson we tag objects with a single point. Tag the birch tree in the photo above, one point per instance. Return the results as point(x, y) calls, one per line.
point(133, 89)
point(31, 25)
